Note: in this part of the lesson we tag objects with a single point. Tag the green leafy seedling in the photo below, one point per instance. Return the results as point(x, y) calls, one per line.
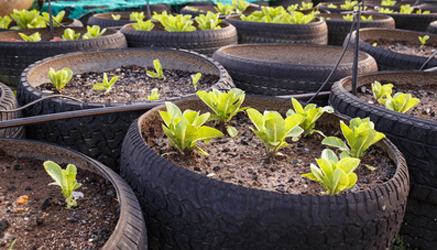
point(406, 9)
point(423, 40)
point(93, 32)
point(332, 6)
point(105, 85)
point(400, 102)
point(293, 7)
point(116, 16)
point(65, 178)
point(154, 95)
point(380, 91)
point(333, 174)
point(369, 18)
point(210, 21)
point(159, 73)
point(12, 244)
point(224, 9)
point(144, 26)
point(311, 113)
point(178, 23)
point(388, 3)
point(385, 10)
point(360, 135)
point(190, 8)
point(195, 79)
point(424, 12)
point(4, 22)
point(28, 19)
point(306, 6)
point(240, 6)
point(57, 20)
point(35, 37)
point(136, 16)
point(70, 34)
point(273, 130)
point(185, 129)
point(60, 78)
point(375, 44)
point(348, 5)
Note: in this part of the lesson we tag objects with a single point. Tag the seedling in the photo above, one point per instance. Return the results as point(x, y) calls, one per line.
point(65, 178)
point(93, 32)
point(332, 6)
point(279, 15)
point(70, 34)
point(12, 244)
point(406, 9)
point(293, 7)
point(158, 70)
point(348, 5)
point(388, 3)
point(350, 17)
point(144, 26)
point(306, 6)
point(35, 37)
point(185, 129)
point(105, 85)
point(311, 114)
point(360, 135)
point(116, 16)
point(154, 95)
point(210, 21)
point(379, 91)
point(193, 8)
point(179, 23)
point(423, 40)
point(333, 174)
point(273, 130)
point(60, 78)
point(240, 6)
point(424, 12)
point(28, 19)
point(224, 9)
point(57, 20)
point(385, 10)
point(195, 79)
point(400, 102)
point(375, 44)
point(136, 16)
point(4, 22)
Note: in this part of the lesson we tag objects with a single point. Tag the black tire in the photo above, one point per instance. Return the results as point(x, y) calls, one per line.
point(338, 28)
point(389, 60)
point(9, 102)
point(100, 136)
point(186, 210)
point(203, 9)
point(201, 41)
point(263, 69)
point(414, 22)
point(255, 32)
point(416, 138)
point(130, 232)
point(432, 28)
point(16, 56)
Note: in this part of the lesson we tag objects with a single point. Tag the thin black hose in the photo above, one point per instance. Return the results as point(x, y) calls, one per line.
point(39, 100)
point(427, 60)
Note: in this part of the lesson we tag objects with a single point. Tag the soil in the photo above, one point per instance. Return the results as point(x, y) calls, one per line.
point(243, 160)
point(44, 222)
point(405, 48)
point(427, 107)
point(133, 85)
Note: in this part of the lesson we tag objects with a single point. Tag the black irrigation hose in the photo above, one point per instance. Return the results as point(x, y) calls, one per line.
point(427, 60)
point(39, 100)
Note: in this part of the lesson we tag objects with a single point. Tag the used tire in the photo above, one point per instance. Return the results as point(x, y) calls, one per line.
point(9, 102)
point(414, 22)
point(432, 28)
point(186, 210)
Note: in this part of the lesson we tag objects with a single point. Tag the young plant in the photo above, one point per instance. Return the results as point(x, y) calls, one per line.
point(333, 174)
point(306, 6)
point(144, 26)
point(154, 95)
point(65, 178)
point(210, 21)
point(423, 40)
point(12, 244)
point(240, 6)
point(56, 19)
point(190, 8)
point(28, 19)
point(70, 34)
point(350, 17)
point(388, 3)
point(116, 16)
point(332, 6)
point(224, 9)
point(136, 16)
point(379, 91)
point(273, 130)
point(105, 85)
point(185, 129)
point(159, 73)
point(348, 5)
point(93, 32)
point(424, 12)
point(35, 37)
point(360, 135)
point(400, 102)
point(195, 79)
point(60, 78)
point(4, 22)
point(311, 114)
point(179, 23)
point(385, 10)
point(406, 9)
point(278, 15)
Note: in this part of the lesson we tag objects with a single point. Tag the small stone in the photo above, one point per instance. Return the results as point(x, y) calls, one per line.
point(197, 169)
point(216, 168)
point(226, 150)
point(273, 169)
point(267, 161)
point(28, 189)
point(280, 188)
point(300, 144)
point(250, 170)
point(46, 203)
point(22, 200)
point(297, 161)
point(71, 218)
point(39, 220)
point(291, 180)
point(366, 180)
point(17, 167)
point(110, 192)
point(304, 192)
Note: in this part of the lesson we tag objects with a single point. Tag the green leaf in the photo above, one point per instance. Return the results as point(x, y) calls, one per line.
point(336, 143)
point(232, 131)
point(256, 118)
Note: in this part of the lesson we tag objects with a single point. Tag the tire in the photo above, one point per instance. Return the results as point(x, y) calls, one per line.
point(254, 32)
point(432, 28)
point(186, 210)
point(389, 60)
point(9, 102)
point(414, 22)
point(324, 6)
point(16, 56)
point(416, 138)
point(263, 69)
point(101, 136)
point(203, 9)
point(201, 41)
point(130, 232)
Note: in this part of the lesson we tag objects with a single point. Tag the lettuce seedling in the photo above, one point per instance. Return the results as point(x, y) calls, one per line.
point(4, 22)
point(195, 79)
point(424, 12)
point(116, 17)
point(56, 19)
point(386, 10)
point(332, 6)
point(154, 95)
point(350, 17)
point(65, 178)
point(388, 3)
point(224, 9)
point(279, 15)
point(240, 6)
point(333, 174)
point(35, 37)
point(210, 21)
point(348, 5)
point(406, 9)
point(105, 85)
point(60, 78)
point(159, 73)
point(273, 130)
point(93, 32)
point(28, 19)
point(311, 114)
point(360, 135)
point(136, 16)
point(185, 129)
point(293, 7)
point(306, 6)
point(144, 26)
point(400, 102)
point(70, 34)
point(379, 91)
point(179, 23)
point(423, 40)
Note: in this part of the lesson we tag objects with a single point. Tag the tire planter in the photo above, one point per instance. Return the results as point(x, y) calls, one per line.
point(186, 210)
point(100, 136)
point(338, 28)
point(9, 6)
point(432, 28)
point(416, 138)
point(200, 41)
point(378, 4)
point(414, 22)
point(202, 9)
point(324, 6)
point(16, 56)
point(255, 32)
point(9, 102)
point(389, 60)
point(130, 231)
point(283, 69)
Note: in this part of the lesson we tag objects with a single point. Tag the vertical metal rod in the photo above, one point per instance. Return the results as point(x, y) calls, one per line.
point(52, 35)
point(149, 14)
point(356, 51)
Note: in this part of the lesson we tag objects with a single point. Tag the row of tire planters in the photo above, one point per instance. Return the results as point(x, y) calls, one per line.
point(388, 59)
point(339, 28)
point(130, 231)
point(101, 136)
point(284, 69)
point(186, 210)
point(432, 28)
point(16, 56)
point(415, 137)
point(66, 22)
point(9, 102)
point(105, 20)
point(202, 9)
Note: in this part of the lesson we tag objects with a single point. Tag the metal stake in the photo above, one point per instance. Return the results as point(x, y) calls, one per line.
point(356, 51)
point(52, 35)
